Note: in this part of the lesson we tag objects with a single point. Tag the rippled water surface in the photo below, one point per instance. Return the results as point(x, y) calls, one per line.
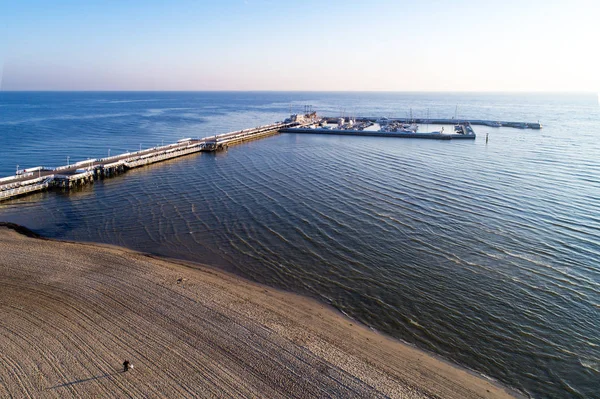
point(487, 254)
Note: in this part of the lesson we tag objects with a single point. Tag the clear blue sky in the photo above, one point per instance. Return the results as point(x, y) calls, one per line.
point(300, 45)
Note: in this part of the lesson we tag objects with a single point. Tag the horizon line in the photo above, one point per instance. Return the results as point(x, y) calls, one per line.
point(310, 91)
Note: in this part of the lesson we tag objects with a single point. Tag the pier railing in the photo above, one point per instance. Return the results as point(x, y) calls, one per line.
point(134, 163)
point(5, 194)
point(84, 172)
point(22, 183)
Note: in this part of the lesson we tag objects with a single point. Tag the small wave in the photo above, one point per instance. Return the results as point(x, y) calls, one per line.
point(65, 118)
point(590, 364)
point(414, 323)
point(127, 101)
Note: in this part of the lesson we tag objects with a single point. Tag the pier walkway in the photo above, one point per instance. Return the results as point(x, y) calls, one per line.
point(41, 178)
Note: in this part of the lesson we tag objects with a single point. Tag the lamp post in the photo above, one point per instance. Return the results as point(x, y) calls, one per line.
point(68, 160)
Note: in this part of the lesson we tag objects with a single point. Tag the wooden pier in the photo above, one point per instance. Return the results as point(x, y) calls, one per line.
point(37, 179)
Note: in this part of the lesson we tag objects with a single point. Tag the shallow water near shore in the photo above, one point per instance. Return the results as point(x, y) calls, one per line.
point(484, 254)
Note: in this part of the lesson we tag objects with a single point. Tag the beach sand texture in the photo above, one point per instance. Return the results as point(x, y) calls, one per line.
point(71, 313)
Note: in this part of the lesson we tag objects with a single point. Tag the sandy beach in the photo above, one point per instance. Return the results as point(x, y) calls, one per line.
point(71, 313)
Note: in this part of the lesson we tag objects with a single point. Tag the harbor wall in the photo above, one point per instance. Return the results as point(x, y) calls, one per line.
point(431, 136)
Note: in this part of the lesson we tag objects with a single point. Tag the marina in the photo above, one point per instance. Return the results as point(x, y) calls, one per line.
point(452, 121)
point(31, 180)
point(396, 128)
point(401, 127)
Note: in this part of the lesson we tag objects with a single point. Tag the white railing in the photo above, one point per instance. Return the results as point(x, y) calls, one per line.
point(75, 177)
point(133, 163)
point(113, 164)
point(21, 183)
point(63, 167)
point(9, 178)
point(23, 190)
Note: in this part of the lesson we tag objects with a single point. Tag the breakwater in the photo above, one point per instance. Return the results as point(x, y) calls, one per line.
point(450, 121)
point(405, 135)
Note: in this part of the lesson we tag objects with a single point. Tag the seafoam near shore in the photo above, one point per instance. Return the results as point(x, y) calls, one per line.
point(71, 313)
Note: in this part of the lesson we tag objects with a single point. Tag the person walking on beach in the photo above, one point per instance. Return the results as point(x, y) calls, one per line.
point(126, 366)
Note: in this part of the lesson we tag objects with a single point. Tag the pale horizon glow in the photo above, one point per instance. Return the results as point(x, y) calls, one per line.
point(487, 46)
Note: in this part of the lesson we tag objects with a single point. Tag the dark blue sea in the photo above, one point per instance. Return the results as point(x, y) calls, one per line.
point(487, 254)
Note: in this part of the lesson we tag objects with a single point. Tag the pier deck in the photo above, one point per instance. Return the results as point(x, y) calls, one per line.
point(32, 180)
point(350, 132)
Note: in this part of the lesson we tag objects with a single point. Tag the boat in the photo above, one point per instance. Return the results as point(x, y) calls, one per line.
point(412, 128)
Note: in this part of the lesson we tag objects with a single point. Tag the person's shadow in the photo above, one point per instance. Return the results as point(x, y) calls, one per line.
point(98, 377)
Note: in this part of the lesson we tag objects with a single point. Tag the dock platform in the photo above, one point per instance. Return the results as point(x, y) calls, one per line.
point(451, 121)
point(350, 132)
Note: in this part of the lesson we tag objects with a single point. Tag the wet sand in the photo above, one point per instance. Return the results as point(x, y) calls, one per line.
point(71, 313)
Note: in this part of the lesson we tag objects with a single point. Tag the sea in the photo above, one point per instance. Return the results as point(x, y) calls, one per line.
point(485, 252)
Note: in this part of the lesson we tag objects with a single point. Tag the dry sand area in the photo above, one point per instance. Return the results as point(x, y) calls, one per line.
point(71, 313)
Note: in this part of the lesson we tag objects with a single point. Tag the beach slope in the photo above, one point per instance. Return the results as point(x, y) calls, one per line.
point(71, 313)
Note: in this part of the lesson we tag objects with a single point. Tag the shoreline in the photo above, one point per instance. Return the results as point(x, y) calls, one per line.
point(366, 363)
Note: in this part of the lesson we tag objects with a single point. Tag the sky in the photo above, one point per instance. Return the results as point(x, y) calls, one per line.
point(461, 45)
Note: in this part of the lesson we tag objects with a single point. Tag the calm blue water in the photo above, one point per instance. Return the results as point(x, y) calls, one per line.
point(485, 254)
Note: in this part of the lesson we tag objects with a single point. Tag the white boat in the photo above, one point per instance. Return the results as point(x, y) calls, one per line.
point(409, 128)
point(383, 121)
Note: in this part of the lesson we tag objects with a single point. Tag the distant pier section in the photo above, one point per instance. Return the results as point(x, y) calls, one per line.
point(31, 180)
point(453, 121)
point(452, 129)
